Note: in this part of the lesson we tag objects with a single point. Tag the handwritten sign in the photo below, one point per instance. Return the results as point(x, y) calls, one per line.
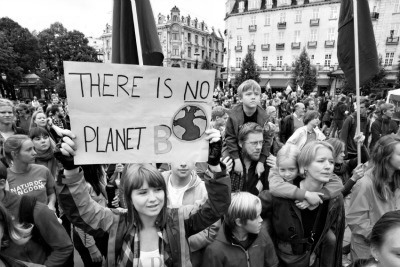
point(138, 114)
point(394, 98)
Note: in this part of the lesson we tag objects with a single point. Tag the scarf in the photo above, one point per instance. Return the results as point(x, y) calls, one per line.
point(130, 255)
point(46, 155)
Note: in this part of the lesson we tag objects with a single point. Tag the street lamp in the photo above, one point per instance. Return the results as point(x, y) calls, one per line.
point(196, 55)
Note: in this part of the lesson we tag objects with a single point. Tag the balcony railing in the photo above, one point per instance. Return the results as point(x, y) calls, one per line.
point(296, 45)
point(312, 44)
point(252, 47)
point(330, 43)
point(281, 25)
point(252, 28)
point(314, 22)
point(392, 40)
point(238, 48)
point(265, 47)
point(374, 15)
point(280, 46)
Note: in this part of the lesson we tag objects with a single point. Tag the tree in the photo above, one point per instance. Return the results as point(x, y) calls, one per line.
point(303, 74)
point(248, 70)
point(57, 45)
point(374, 85)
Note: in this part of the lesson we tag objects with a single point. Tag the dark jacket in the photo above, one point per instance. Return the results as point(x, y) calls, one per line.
point(227, 251)
point(288, 229)
point(339, 111)
point(349, 130)
point(287, 128)
point(380, 127)
point(182, 223)
point(235, 120)
point(51, 231)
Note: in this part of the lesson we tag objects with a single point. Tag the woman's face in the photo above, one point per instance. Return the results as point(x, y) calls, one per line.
point(321, 168)
point(389, 112)
point(395, 158)
point(148, 201)
point(6, 114)
point(340, 157)
point(41, 143)
point(41, 119)
point(314, 122)
point(27, 153)
point(388, 255)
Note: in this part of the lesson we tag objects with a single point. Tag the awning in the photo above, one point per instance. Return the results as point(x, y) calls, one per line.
point(275, 83)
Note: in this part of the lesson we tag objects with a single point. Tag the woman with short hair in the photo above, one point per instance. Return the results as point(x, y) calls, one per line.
point(384, 124)
point(311, 236)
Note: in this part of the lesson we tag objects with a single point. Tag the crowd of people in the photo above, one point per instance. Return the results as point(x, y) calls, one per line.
point(281, 186)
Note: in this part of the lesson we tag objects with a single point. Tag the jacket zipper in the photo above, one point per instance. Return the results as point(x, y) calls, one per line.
point(245, 252)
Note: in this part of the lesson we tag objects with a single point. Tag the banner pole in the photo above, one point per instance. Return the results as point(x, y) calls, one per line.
point(137, 33)
point(357, 70)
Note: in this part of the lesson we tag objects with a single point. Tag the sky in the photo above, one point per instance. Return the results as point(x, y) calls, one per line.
point(91, 16)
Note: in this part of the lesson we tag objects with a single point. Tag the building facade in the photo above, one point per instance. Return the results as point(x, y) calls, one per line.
point(187, 42)
point(106, 39)
point(276, 32)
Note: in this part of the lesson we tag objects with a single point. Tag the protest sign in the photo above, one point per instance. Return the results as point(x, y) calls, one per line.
point(394, 98)
point(138, 114)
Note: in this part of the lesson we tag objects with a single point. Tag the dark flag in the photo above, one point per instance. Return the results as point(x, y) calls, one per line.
point(124, 46)
point(368, 55)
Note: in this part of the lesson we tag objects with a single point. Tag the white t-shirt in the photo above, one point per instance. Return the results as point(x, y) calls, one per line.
point(150, 259)
point(175, 195)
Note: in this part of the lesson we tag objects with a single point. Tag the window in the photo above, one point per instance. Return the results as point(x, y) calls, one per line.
point(196, 39)
point(331, 34)
point(189, 37)
point(175, 51)
point(202, 54)
point(266, 38)
point(196, 50)
point(265, 63)
point(175, 36)
point(333, 13)
point(315, 13)
point(241, 5)
point(395, 27)
point(280, 36)
point(389, 59)
point(175, 18)
point(296, 36)
point(253, 4)
point(216, 45)
point(108, 44)
point(282, 17)
point(202, 41)
point(328, 58)
point(397, 6)
point(279, 61)
point(189, 65)
point(189, 51)
point(210, 43)
point(216, 57)
point(238, 62)
point(268, 19)
point(253, 20)
point(240, 21)
point(269, 2)
point(159, 36)
point(239, 40)
point(252, 38)
point(313, 35)
point(298, 16)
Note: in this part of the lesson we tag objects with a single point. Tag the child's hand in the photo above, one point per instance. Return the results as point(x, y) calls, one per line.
point(238, 166)
point(260, 169)
point(271, 161)
point(302, 204)
point(313, 197)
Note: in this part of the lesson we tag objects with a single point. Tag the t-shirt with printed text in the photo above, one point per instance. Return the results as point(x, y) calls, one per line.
point(37, 181)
